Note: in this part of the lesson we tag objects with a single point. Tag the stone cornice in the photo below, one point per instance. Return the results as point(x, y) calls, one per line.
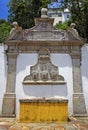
point(16, 46)
point(49, 43)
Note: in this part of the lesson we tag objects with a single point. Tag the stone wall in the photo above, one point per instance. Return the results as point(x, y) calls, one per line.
point(85, 73)
point(2, 74)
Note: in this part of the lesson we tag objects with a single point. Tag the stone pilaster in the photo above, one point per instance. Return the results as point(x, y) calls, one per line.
point(8, 107)
point(79, 107)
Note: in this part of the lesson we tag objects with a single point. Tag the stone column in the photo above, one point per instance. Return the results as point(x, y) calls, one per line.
point(8, 107)
point(79, 107)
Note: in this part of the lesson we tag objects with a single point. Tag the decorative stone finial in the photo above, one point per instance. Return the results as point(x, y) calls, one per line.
point(16, 32)
point(15, 24)
point(73, 33)
point(44, 13)
point(72, 24)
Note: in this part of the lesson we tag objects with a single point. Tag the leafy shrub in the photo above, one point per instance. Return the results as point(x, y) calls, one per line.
point(5, 28)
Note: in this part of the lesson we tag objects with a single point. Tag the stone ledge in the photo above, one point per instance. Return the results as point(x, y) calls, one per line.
point(43, 82)
point(42, 100)
point(7, 116)
point(81, 115)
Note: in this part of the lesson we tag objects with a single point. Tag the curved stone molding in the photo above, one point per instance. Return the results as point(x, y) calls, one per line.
point(44, 72)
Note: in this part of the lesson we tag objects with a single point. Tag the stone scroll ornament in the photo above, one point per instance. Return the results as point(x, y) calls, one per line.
point(44, 71)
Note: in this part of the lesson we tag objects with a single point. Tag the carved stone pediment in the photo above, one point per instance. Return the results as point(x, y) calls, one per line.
point(44, 31)
point(46, 35)
point(43, 72)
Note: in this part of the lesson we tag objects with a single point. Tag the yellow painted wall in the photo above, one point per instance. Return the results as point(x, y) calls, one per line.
point(43, 111)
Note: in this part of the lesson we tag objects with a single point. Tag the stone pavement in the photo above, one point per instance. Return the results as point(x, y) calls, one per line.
point(73, 124)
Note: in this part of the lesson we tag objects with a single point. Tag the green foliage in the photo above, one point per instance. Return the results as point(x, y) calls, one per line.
point(5, 28)
point(24, 11)
point(63, 26)
point(79, 13)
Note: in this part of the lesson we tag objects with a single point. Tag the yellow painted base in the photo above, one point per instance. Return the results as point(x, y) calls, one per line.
point(43, 111)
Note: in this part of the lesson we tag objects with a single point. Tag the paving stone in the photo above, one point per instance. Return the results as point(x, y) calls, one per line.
point(42, 128)
point(15, 127)
point(3, 128)
point(25, 128)
point(81, 126)
point(10, 124)
point(70, 127)
point(4, 125)
point(59, 128)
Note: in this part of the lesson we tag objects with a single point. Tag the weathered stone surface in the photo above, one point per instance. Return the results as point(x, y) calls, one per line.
point(79, 126)
point(41, 128)
point(70, 127)
point(25, 128)
point(59, 128)
point(15, 127)
point(13, 124)
point(9, 96)
point(8, 110)
point(42, 31)
point(4, 127)
point(79, 104)
point(78, 97)
point(18, 126)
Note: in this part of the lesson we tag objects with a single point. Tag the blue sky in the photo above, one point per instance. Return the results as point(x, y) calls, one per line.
point(4, 8)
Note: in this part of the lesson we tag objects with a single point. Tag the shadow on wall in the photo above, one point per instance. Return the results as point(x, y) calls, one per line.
point(61, 60)
point(45, 90)
point(25, 60)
